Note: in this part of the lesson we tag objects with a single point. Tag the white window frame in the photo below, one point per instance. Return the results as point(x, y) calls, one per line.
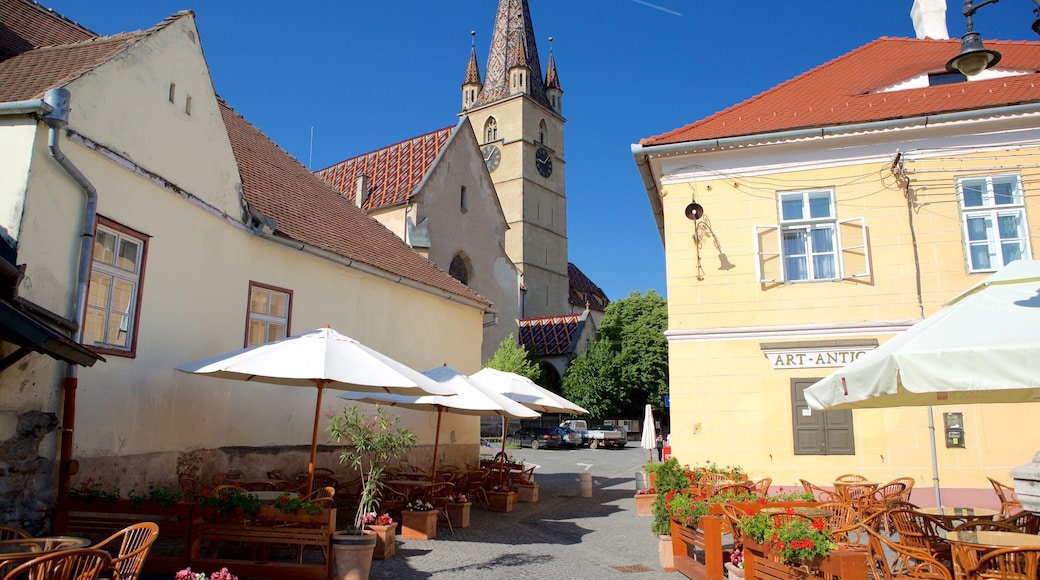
point(124, 341)
point(991, 210)
point(266, 319)
point(851, 252)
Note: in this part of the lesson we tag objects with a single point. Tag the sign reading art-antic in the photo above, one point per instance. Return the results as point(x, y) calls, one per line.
point(806, 358)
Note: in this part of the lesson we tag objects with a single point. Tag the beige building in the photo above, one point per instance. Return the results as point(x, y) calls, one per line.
point(811, 223)
point(158, 227)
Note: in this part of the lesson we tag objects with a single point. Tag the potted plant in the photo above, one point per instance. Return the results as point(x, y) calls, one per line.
point(645, 502)
point(528, 490)
point(500, 498)
point(386, 534)
point(419, 521)
point(371, 441)
point(458, 507)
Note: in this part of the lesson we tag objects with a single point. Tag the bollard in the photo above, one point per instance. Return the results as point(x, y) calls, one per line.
point(642, 480)
point(585, 484)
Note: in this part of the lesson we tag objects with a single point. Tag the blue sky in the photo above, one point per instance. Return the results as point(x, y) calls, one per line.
point(330, 80)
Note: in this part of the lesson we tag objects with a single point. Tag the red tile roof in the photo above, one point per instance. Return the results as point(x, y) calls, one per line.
point(393, 172)
point(584, 292)
point(847, 91)
point(551, 335)
point(27, 25)
point(309, 210)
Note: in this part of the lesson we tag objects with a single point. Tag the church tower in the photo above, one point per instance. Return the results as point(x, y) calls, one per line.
point(517, 115)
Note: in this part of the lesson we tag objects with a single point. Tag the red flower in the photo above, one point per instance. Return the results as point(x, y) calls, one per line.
point(762, 500)
point(818, 525)
point(788, 510)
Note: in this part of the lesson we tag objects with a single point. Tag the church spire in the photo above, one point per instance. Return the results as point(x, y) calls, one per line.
point(472, 84)
point(553, 92)
point(512, 45)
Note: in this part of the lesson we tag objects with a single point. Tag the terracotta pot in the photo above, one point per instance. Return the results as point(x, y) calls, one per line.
point(459, 514)
point(500, 501)
point(352, 554)
point(386, 541)
point(664, 553)
point(419, 525)
point(528, 493)
point(645, 504)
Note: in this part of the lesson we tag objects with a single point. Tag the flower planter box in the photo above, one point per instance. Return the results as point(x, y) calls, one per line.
point(645, 504)
point(528, 493)
point(459, 514)
point(419, 525)
point(386, 541)
point(500, 501)
point(698, 552)
point(761, 563)
point(733, 572)
point(665, 553)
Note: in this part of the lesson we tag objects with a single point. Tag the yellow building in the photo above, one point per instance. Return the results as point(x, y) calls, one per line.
point(807, 225)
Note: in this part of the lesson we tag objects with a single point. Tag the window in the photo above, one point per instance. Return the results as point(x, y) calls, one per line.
point(490, 130)
point(462, 200)
point(542, 132)
point(269, 312)
point(819, 432)
point(807, 243)
point(458, 269)
point(114, 294)
point(994, 221)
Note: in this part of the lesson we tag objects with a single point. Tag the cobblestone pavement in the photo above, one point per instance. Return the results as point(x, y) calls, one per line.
point(562, 536)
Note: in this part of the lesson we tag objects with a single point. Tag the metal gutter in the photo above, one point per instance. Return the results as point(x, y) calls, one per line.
point(642, 154)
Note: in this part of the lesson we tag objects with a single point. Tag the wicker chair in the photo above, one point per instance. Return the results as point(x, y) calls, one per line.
point(733, 514)
point(821, 494)
point(921, 532)
point(475, 484)
point(850, 478)
point(909, 483)
point(192, 488)
point(129, 547)
point(761, 487)
point(13, 533)
point(326, 496)
point(907, 562)
point(439, 496)
point(1025, 522)
point(1013, 563)
point(1009, 503)
point(72, 564)
point(877, 502)
point(842, 523)
point(259, 485)
point(224, 477)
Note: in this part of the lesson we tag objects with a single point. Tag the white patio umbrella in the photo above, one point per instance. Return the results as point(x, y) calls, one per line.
point(468, 398)
point(524, 391)
point(982, 347)
point(320, 358)
point(649, 438)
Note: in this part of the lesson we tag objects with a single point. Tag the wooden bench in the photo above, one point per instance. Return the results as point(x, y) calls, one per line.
point(699, 553)
point(296, 531)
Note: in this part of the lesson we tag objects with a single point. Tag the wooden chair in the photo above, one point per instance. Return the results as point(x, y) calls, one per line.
point(192, 488)
point(761, 487)
point(72, 564)
point(439, 496)
point(733, 514)
point(1009, 503)
point(225, 477)
point(1013, 563)
point(1025, 522)
point(877, 502)
point(843, 523)
point(277, 474)
point(13, 533)
point(850, 478)
point(709, 481)
point(323, 495)
point(906, 563)
point(129, 548)
point(733, 489)
point(921, 532)
point(908, 482)
point(475, 485)
point(821, 494)
point(393, 501)
point(259, 486)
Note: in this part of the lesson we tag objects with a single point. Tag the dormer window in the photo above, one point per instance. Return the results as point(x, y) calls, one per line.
point(490, 130)
point(945, 78)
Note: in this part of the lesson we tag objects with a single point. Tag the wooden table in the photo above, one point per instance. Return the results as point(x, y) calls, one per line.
point(18, 551)
point(952, 516)
point(969, 546)
point(413, 488)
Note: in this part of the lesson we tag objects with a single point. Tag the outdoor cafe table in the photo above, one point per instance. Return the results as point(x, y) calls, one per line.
point(17, 551)
point(952, 516)
point(414, 488)
point(970, 545)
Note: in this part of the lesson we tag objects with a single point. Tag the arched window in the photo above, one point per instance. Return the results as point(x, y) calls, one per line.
point(542, 133)
point(458, 269)
point(490, 130)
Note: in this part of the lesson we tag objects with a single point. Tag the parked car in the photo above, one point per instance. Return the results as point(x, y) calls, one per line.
point(536, 437)
point(568, 438)
point(487, 449)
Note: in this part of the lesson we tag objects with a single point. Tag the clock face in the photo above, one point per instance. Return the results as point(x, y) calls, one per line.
point(492, 157)
point(543, 162)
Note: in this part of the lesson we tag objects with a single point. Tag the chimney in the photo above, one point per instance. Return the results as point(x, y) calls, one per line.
point(929, 18)
point(361, 190)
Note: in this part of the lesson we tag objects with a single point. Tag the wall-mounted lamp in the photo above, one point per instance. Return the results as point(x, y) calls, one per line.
point(974, 57)
point(694, 211)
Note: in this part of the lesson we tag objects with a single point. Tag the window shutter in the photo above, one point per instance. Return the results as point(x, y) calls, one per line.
point(819, 432)
point(855, 253)
point(769, 264)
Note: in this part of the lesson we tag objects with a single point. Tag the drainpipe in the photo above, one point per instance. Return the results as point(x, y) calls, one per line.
point(56, 119)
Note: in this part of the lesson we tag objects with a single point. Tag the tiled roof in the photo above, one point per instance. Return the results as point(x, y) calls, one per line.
point(552, 80)
point(551, 335)
point(848, 90)
point(393, 172)
point(512, 43)
point(584, 292)
point(27, 25)
point(472, 70)
point(308, 210)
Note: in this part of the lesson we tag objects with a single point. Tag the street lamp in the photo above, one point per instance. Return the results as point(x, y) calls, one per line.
point(974, 57)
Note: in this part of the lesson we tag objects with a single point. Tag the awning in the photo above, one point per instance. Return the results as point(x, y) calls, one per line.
point(29, 333)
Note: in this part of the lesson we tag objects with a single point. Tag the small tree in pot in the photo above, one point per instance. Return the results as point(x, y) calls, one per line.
point(371, 441)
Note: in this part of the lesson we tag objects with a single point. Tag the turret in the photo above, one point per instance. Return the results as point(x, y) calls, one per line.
point(472, 85)
point(553, 92)
point(520, 72)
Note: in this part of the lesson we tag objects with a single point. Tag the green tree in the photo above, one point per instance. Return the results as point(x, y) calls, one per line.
point(627, 366)
point(513, 357)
